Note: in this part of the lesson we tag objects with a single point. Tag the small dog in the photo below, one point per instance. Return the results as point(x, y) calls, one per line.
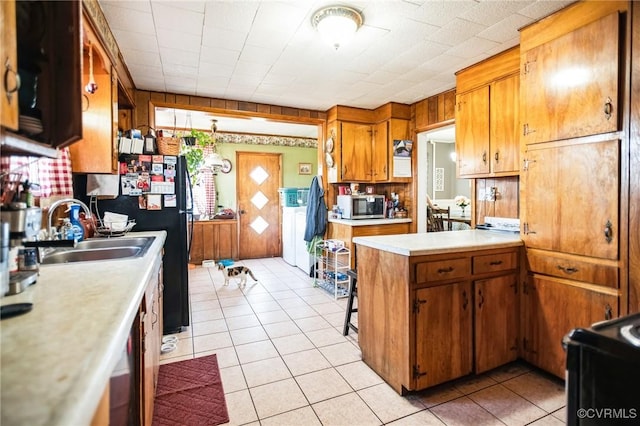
point(236, 271)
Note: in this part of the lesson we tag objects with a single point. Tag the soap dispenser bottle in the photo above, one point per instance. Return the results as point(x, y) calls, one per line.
point(74, 218)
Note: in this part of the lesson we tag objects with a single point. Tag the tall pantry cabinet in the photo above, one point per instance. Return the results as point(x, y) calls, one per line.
point(574, 174)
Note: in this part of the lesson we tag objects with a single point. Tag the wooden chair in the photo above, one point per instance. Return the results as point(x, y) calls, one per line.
point(436, 218)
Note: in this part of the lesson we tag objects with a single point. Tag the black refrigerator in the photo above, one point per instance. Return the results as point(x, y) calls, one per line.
point(155, 191)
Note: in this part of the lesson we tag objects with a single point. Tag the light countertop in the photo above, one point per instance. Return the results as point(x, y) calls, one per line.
point(440, 242)
point(368, 222)
point(57, 359)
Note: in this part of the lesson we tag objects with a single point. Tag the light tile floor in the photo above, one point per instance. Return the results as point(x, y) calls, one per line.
point(284, 361)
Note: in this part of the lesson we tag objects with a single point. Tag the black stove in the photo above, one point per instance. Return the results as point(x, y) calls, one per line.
point(631, 332)
point(603, 373)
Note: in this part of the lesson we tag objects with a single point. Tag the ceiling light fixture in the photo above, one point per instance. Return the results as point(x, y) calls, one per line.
point(337, 24)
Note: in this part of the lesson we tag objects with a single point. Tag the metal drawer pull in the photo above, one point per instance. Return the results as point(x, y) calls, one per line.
point(495, 263)
point(569, 270)
point(445, 270)
point(9, 71)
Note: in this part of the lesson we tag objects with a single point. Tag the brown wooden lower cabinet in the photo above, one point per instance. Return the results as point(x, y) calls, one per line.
point(425, 320)
point(443, 331)
point(496, 321)
point(551, 308)
point(214, 240)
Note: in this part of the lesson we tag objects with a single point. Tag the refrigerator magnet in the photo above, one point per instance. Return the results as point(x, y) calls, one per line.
point(154, 202)
point(170, 200)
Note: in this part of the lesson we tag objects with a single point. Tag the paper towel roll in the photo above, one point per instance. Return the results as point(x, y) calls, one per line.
point(104, 185)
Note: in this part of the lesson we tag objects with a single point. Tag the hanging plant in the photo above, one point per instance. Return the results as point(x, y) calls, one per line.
point(195, 153)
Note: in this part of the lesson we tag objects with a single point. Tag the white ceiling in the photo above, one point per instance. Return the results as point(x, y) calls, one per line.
point(267, 51)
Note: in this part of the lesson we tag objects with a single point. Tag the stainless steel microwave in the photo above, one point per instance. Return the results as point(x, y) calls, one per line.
point(361, 206)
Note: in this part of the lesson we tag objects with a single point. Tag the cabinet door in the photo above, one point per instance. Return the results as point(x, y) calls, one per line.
point(398, 130)
point(95, 152)
point(571, 198)
point(380, 161)
point(197, 243)
point(555, 308)
point(472, 132)
point(210, 241)
point(226, 241)
point(9, 58)
point(443, 332)
point(356, 152)
point(569, 86)
point(496, 322)
point(505, 137)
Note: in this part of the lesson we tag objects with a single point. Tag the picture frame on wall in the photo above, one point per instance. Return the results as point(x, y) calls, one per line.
point(304, 168)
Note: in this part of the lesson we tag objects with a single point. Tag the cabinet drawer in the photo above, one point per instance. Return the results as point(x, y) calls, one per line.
point(494, 262)
point(442, 270)
point(574, 269)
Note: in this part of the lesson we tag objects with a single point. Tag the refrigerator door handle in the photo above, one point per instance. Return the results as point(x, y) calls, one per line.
point(190, 213)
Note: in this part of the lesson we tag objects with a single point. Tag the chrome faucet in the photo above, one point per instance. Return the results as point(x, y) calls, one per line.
point(52, 208)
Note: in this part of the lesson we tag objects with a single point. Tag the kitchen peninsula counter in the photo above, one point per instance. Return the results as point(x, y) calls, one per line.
point(440, 242)
point(433, 307)
point(58, 358)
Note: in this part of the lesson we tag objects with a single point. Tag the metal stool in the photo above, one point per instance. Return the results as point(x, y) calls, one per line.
point(353, 292)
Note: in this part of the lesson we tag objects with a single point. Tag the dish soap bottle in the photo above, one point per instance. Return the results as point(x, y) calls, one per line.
point(66, 230)
point(74, 218)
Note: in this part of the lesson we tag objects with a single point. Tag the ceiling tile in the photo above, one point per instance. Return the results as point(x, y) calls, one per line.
point(171, 16)
point(542, 8)
point(179, 40)
point(219, 55)
point(441, 13)
point(141, 57)
point(472, 47)
point(490, 12)
point(129, 40)
point(506, 29)
point(214, 36)
point(122, 18)
point(456, 31)
point(138, 5)
point(170, 57)
point(229, 15)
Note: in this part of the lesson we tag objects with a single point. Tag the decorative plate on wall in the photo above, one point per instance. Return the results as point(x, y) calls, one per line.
point(329, 159)
point(226, 166)
point(328, 146)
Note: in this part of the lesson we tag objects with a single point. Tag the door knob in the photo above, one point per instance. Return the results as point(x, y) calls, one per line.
point(242, 212)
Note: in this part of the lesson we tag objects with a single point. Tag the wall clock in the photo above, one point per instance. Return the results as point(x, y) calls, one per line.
point(226, 166)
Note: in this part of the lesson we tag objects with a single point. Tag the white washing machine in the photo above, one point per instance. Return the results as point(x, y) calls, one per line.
point(289, 234)
point(303, 258)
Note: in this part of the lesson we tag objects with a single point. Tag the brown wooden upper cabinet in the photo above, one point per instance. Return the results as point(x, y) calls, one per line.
point(557, 214)
point(362, 147)
point(435, 110)
point(97, 151)
point(569, 85)
point(487, 106)
point(9, 57)
point(57, 98)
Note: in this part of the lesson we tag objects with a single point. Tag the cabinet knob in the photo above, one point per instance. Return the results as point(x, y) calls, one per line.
point(608, 231)
point(496, 156)
point(608, 312)
point(484, 157)
point(608, 108)
point(8, 72)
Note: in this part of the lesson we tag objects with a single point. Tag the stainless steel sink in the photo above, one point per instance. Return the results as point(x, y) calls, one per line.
point(100, 249)
point(100, 243)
